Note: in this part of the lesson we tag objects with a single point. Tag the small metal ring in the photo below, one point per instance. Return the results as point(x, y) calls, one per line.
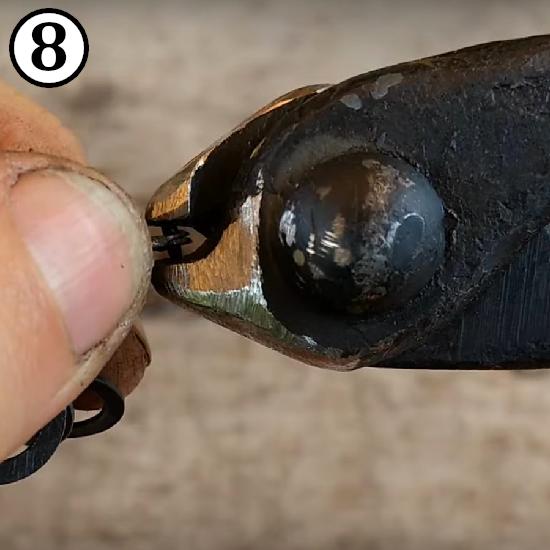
point(40, 449)
point(110, 413)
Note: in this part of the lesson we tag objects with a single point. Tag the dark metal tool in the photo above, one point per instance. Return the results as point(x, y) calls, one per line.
point(44, 444)
point(396, 219)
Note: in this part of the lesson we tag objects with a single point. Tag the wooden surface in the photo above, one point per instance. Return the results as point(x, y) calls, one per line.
point(230, 446)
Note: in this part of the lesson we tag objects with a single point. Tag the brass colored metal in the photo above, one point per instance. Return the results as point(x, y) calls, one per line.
point(226, 284)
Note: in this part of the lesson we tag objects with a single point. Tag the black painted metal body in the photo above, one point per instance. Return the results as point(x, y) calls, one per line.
point(475, 124)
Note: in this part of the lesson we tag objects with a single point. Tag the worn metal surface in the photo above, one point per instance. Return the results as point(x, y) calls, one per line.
point(45, 443)
point(38, 450)
point(471, 123)
point(264, 451)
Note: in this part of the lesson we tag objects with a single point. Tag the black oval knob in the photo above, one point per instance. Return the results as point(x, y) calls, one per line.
point(361, 231)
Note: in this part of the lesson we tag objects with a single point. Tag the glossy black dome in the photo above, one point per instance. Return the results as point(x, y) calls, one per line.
point(360, 232)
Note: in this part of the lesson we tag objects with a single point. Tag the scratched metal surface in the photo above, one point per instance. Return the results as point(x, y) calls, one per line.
point(510, 320)
point(228, 445)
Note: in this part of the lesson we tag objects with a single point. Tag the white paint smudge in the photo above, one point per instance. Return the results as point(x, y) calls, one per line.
point(250, 212)
point(392, 232)
point(384, 83)
point(353, 101)
point(260, 180)
point(287, 226)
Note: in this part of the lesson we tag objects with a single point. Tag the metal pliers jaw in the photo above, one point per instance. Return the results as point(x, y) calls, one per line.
point(395, 219)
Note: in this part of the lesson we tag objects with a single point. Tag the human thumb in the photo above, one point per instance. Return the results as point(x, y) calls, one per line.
point(75, 261)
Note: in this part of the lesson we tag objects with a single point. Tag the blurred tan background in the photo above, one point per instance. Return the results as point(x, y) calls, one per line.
point(227, 445)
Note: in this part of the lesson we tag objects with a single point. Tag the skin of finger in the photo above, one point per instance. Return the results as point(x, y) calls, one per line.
point(26, 126)
point(13, 165)
point(36, 358)
point(25, 386)
point(28, 385)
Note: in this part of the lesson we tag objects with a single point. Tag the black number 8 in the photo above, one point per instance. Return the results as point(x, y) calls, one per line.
point(60, 55)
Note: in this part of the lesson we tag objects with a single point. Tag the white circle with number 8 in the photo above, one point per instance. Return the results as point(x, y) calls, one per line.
point(49, 47)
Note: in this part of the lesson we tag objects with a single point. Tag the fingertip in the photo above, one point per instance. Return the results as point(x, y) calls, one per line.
point(76, 259)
